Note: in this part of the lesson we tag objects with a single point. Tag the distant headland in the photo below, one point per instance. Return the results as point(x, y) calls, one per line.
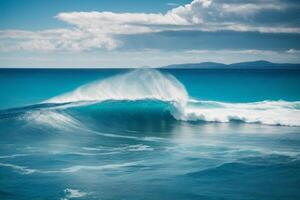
point(260, 64)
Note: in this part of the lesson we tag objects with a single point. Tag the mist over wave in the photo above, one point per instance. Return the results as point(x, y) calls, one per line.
point(135, 85)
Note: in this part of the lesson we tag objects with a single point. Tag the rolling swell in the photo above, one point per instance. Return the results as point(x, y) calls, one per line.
point(151, 97)
point(110, 116)
point(115, 116)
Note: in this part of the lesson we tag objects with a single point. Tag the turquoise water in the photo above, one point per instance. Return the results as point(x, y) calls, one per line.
point(149, 134)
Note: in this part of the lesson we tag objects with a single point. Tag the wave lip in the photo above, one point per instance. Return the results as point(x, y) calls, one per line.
point(138, 84)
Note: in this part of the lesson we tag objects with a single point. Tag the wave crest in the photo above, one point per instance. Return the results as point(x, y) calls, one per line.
point(149, 84)
point(135, 85)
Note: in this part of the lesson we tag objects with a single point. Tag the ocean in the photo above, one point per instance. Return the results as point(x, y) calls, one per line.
point(135, 134)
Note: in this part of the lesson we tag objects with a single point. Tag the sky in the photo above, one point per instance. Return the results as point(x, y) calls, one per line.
point(136, 33)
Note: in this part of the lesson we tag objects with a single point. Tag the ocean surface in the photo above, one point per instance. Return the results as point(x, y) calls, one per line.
point(121, 134)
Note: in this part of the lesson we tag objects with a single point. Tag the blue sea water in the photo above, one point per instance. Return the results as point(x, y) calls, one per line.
point(149, 134)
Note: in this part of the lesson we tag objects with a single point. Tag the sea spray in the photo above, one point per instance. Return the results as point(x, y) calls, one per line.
point(138, 84)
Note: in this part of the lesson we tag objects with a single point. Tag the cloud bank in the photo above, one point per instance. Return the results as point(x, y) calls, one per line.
point(100, 30)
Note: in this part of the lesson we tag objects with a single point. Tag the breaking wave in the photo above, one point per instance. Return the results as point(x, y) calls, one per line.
point(152, 95)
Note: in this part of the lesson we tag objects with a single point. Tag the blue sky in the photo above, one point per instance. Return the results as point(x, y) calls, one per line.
point(133, 33)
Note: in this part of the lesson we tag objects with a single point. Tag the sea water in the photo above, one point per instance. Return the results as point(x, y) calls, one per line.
point(149, 134)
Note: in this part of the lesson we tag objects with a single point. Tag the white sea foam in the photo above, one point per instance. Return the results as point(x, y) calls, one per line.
point(136, 147)
point(77, 168)
point(92, 148)
point(20, 169)
point(73, 193)
point(265, 112)
point(139, 147)
point(14, 156)
point(52, 119)
point(73, 169)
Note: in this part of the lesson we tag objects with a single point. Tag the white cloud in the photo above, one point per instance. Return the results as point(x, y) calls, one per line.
point(239, 52)
point(55, 40)
point(246, 9)
point(97, 30)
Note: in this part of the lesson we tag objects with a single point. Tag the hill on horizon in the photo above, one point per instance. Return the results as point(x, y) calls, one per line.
point(259, 64)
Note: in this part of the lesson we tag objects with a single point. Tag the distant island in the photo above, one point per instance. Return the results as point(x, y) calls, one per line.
point(260, 64)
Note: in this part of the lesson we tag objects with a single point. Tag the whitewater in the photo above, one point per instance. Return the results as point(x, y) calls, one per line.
point(150, 84)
